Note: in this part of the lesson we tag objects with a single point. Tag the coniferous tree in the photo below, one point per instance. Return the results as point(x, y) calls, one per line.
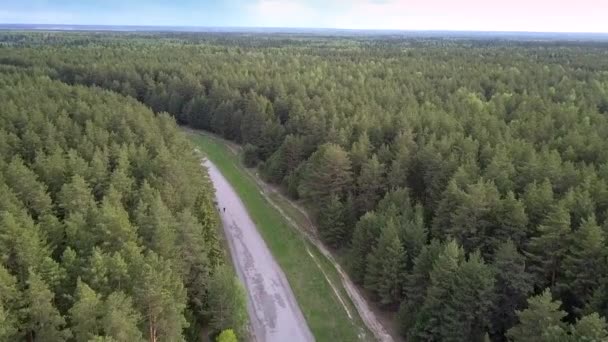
point(161, 298)
point(332, 227)
point(366, 230)
point(10, 298)
point(513, 284)
point(227, 302)
point(547, 249)
point(85, 313)
point(585, 264)
point(416, 284)
point(328, 173)
point(370, 184)
point(120, 320)
point(42, 320)
point(538, 320)
point(386, 266)
point(428, 325)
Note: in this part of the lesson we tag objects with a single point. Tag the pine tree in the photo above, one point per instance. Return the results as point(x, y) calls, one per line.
point(328, 172)
point(542, 315)
point(501, 170)
point(590, 328)
point(332, 228)
point(599, 299)
point(434, 310)
point(8, 326)
point(161, 297)
point(227, 302)
point(51, 169)
point(362, 244)
point(360, 152)
point(120, 320)
point(10, 298)
point(85, 314)
point(42, 320)
point(416, 285)
point(414, 236)
point(511, 223)
point(98, 175)
point(512, 287)
point(547, 249)
point(453, 197)
point(538, 200)
point(465, 315)
point(386, 267)
point(471, 221)
point(75, 197)
point(586, 263)
point(193, 258)
point(113, 228)
point(398, 173)
point(370, 184)
point(157, 226)
point(25, 185)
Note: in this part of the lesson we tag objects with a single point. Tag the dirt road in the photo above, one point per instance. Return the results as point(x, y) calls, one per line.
point(273, 310)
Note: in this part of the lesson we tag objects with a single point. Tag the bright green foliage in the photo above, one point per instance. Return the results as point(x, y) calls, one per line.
point(227, 302)
point(543, 321)
point(539, 319)
point(227, 335)
point(327, 173)
point(590, 328)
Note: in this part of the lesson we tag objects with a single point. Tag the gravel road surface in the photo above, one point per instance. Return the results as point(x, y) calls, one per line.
point(273, 310)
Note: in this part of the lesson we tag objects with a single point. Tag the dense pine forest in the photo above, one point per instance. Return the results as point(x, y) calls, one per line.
point(464, 183)
point(108, 231)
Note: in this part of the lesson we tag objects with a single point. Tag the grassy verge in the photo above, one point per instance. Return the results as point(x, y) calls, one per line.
point(324, 313)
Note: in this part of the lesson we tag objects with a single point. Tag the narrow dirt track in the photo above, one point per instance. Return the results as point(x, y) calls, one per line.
point(273, 310)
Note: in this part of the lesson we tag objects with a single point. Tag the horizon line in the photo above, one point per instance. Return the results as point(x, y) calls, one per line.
point(295, 28)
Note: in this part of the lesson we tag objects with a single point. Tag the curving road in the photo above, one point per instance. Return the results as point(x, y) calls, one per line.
point(273, 310)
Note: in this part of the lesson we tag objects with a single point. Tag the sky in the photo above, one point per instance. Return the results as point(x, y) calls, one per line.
point(475, 15)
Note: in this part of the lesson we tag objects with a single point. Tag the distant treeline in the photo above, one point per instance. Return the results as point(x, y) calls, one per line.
point(466, 181)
